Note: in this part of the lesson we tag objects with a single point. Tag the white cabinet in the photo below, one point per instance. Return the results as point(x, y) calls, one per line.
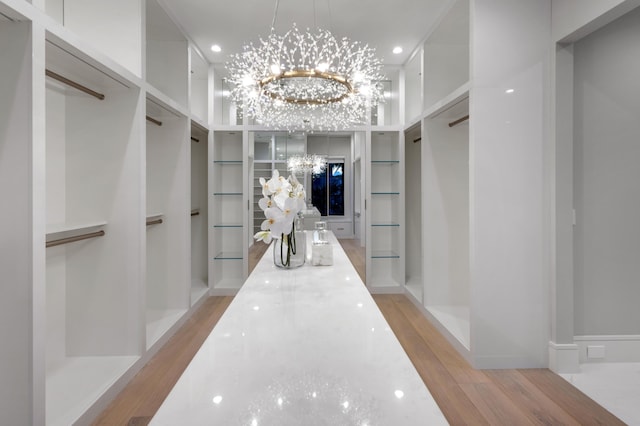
point(198, 86)
point(167, 222)
point(385, 248)
point(446, 55)
point(167, 50)
point(93, 183)
point(113, 28)
point(228, 208)
point(17, 253)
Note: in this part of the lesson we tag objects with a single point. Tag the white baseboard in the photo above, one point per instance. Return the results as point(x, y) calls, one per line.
point(564, 357)
point(616, 348)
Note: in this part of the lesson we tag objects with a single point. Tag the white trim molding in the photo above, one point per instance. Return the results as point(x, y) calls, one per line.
point(564, 357)
point(611, 348)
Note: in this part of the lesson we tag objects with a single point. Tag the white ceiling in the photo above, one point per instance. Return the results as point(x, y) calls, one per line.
point(382, 24)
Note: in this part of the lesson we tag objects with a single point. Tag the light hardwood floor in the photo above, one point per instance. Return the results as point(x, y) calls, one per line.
point(465, 396)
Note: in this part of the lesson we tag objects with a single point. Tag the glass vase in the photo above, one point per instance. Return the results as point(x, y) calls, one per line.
point(289, 250)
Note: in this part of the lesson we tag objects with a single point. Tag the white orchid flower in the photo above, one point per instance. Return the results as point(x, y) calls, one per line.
point(265, 187)
point(273, 216)
point(263, 236)
point(265, 203)
point(275, 183)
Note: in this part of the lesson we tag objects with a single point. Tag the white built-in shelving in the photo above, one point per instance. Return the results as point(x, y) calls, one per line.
point(92, 181)
point(437, 110)
point(413, 212)
point(446, 219)
point(385, 260)
point(91, 291)
point(228, 206)
point(167, 224)
point(199, 212)
point(471, 89)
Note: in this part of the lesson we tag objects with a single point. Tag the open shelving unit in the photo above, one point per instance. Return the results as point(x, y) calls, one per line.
point(446, 219)
point(413, 212)
point(199, 212)
point(98, 199)
point(91, 284)
point(385, 264)
point(167, 271)
point(228, 211)
point(439, 280)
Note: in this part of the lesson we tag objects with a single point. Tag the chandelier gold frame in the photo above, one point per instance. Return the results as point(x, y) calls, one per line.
point(308, 74)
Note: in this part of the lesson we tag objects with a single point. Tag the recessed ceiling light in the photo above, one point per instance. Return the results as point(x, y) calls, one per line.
point(216, 48)
point(397, 50)
point(509, 91)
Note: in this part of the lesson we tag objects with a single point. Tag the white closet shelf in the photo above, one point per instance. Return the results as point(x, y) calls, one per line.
point(449, 101)
point(77, 383)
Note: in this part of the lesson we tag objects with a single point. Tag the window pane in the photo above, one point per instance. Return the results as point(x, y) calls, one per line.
point(319, 192)
point(336, 189)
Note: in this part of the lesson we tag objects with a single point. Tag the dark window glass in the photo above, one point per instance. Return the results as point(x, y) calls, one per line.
point(327, 190)
point(336, 190)
point(319, 192)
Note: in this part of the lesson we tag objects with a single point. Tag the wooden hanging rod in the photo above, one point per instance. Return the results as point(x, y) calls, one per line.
point(195, 212)
point(196, 140)
point(154, 222)
point(74, 239)
point(154, 121)
point(458, 121)
point(73, 84)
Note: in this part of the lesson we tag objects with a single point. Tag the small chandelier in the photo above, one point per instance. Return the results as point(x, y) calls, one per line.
point(305, 81)
point(314, 164)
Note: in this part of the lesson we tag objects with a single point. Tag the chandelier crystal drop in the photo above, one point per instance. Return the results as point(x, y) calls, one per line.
point(304, 81)
point(308, 163)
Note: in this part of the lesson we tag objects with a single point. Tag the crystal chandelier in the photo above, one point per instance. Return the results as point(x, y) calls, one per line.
point(306, 81)
point(314, 164)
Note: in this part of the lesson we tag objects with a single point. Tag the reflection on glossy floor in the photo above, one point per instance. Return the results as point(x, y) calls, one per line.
point(616, 386)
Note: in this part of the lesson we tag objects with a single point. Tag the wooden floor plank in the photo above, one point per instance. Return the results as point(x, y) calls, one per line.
point(495, 406)
point(539, 408)
point(582, 408)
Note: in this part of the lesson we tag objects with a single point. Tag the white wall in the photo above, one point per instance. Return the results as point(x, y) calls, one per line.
point(571, 20)
point(606, 176)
